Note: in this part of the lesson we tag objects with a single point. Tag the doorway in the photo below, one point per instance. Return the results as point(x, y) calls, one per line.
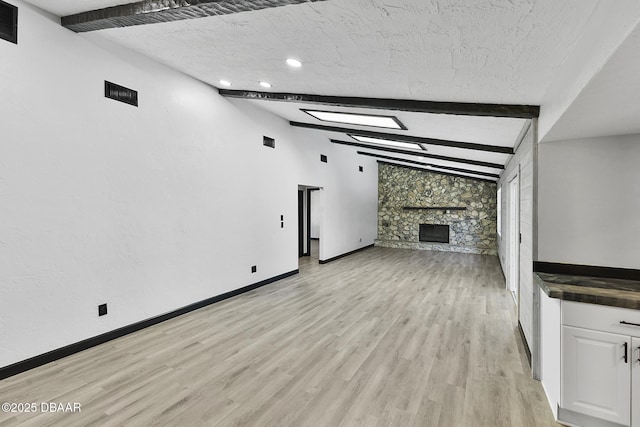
point(309, 219)
point(513, 279)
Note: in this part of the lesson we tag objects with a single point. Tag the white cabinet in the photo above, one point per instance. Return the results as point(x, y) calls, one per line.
point(600, 365)
point(635, 382)
point(596, 375)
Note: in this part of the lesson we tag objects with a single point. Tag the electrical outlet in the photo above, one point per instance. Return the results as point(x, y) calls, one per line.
point(254, 268)
point(102, 309)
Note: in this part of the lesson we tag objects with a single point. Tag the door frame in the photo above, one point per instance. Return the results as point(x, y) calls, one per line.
point(514, 237)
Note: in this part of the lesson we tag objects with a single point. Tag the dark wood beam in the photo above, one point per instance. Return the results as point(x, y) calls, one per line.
point(384, 162)
point(414, 162)
point(514, 111)
point(421, 154)
point(407, 138)
point(155, 11)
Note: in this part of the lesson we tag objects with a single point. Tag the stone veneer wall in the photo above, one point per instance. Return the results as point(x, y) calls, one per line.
point(470, 231)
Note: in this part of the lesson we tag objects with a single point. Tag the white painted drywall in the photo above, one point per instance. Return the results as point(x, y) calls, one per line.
point(316, 214)
point(147, 209)
point(522, 163)
point(589, 201)
point(605, 30)
point(550, 348)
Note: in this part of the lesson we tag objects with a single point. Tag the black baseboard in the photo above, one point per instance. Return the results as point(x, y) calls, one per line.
point(524, 343)
point(324, 261)
point(586, 270)
point(54, 355)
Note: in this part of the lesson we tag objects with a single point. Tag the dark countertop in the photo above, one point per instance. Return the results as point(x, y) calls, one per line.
point(593, 290)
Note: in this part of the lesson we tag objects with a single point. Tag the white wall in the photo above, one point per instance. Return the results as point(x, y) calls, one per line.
point(606, 29)
point(550, 348)
point(589, 200)
point(316, 214)
point(521, 161)
point(147, 209)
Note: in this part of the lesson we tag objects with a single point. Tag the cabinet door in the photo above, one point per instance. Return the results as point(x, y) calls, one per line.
point(596, 374)
point(635, 382)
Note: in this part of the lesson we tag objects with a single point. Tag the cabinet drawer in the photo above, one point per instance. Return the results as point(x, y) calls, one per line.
point(601, 318)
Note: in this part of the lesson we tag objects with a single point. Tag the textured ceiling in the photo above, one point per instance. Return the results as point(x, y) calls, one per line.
point(70, 7)
point(453, 50)
point(480, 130)
point(482, 51)
point(610, 104)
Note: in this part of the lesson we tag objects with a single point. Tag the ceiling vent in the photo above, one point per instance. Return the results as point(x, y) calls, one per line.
point(8, 22)
point(120, 93)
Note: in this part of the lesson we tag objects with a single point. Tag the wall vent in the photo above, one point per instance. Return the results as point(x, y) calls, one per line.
point(8, 22)
point(268, 142)
point(360, 168)
point(120, 93)
point(323, 158)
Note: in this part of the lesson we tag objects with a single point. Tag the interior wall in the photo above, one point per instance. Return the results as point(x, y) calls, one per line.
point(605, 30)
point(146, 209)
point(316, 214)
point(589, 199)
point(522, 163)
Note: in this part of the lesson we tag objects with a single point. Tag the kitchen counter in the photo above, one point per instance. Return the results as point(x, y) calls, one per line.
point(593, 290)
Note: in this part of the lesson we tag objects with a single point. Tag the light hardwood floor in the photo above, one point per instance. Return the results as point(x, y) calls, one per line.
point(384, 337)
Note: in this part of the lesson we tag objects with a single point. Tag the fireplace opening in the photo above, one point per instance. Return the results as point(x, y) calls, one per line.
point(434, 233)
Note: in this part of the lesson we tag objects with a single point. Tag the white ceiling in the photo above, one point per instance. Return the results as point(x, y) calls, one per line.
point(439, 50)
point(496, 131)
point(482, 51)
point(479, 130)
point(70, 7)
point(610, 104)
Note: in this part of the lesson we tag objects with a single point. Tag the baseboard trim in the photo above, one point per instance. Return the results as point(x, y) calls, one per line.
point(43, 359)
point(586, 270)
point(524, 342)
point(324, 261)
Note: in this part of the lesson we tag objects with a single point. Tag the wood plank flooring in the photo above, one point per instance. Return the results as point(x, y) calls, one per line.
point(384, 337)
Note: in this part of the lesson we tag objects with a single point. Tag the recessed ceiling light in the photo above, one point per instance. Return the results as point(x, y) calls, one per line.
point(225, 83)
point(390, 122)
point(294, 63)
point(265, 84)
point(388, 142)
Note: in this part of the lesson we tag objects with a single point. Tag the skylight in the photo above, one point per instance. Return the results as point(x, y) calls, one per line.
point(387, 142)
point(389, 122)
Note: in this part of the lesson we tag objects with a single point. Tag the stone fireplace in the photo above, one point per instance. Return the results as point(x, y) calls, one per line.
point(419, 209)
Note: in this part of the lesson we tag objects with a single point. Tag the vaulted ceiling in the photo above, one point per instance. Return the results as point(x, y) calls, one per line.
point(464, 76)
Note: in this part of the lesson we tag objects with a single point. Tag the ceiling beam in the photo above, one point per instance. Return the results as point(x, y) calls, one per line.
point(420, 154)
point(155, 11)
point(513, 111)
point(414, 162)
point(384, 162)
point(407, 138)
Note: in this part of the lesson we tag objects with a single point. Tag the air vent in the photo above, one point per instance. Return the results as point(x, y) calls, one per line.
point(323, 158)
point(120, 93)
point(268, 142)
point(8, 22)
point(360, 168)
